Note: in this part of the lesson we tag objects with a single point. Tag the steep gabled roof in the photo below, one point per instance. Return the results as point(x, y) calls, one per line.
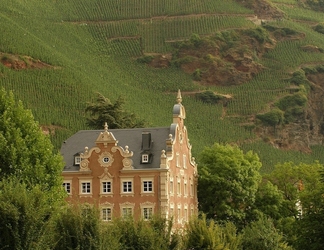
point(125, 137)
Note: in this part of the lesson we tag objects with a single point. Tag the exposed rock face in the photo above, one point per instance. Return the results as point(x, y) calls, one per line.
point(308, 129)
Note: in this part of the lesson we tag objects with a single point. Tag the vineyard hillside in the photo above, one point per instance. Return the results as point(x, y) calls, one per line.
point(250, 72)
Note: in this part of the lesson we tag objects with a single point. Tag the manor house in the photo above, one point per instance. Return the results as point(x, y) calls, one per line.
point(136, 172)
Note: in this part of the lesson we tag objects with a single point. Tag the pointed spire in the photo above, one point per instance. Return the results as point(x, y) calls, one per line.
point(179, 98)
point(106, 127)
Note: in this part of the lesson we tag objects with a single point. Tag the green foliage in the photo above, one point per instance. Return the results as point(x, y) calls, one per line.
point(293, 105)
point(209, 96)
point(299, 77)
point(287, 109)
point(319, 28)
point(25, 152)
point(197, 75)
point(153, 234)
point(145, 59)
point(260, 34)
point(272, 118)
point(203, 234)
point(269, 200)
point(228, 182)
point(196, 40)
point(262, 234)
point(297, 182)
point(26, 215)
point(103, 111)
point(77, 227)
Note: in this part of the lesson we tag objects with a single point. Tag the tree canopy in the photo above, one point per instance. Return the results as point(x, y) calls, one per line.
point(25, 152)
point(228, 182)
point(103, 110)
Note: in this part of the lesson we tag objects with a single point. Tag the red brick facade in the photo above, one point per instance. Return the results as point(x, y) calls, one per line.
point(108, 176)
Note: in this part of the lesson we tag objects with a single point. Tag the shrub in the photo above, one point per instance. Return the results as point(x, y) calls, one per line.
point(209, 96)
point(272, 118)
point(203, 234)
point(260, 34)
point(290, 101)
point(298, 77)
point(26, 215)
point(197, 75)
point(145, 59)
point(319, 28)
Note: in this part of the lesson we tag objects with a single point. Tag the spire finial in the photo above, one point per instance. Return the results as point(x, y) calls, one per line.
point(179, 98)
point(106, 127)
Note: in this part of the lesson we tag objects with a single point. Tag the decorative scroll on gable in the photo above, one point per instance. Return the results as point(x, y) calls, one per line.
point(127, 161)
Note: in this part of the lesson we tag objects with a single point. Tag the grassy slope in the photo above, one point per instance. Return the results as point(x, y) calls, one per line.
point(93, 42)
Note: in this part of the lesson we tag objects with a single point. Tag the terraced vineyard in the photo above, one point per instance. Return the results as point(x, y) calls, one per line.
point(91, 46)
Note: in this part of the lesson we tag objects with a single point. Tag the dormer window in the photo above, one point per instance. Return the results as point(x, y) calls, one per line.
point(147, 144)
point(77, 160)
point(145, 158)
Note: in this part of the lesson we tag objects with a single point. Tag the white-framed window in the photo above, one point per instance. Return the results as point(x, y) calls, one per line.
point(147, 213)
point(106, 214)
point(191, 188)
point(106, 187)
point(177, 160)
point(145, 158)
point(127, 212)
point(77, 160)
point(127, 186)
point(147, 186)
point(185, 188)
point(192, 210)
point(171, 215)
point(105, 159)
point(85, 185)
point(184, 158)
point(67, 187)
point(179, 213)
point(185, 214)
point(171, 186)
point(178, 186)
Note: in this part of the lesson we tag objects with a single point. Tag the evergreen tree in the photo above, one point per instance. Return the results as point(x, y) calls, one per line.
point(103, 110)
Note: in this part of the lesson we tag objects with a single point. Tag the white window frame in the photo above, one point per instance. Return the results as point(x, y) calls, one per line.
point(185, 211)
point(185, 188)
point(177, 160)
point(178, 186)
point(86, 187)
point(171, 186)
point(171, 215)
point(102, 183)
point(179, 213)
point(126, 209)
point(147, 185)
point(77, 160)
point(184, 159)
point(191, 188)
point(127, 192)
point(106, 213)
point(67, 185)
point(147, 213)
point(85, 180)
point(145, 158)
point(147, 210)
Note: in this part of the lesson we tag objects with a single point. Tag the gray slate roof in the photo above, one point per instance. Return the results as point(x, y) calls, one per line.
point(125, 137)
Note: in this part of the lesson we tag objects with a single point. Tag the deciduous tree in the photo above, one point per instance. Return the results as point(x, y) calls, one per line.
point(25, 152)
point(228, 182)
